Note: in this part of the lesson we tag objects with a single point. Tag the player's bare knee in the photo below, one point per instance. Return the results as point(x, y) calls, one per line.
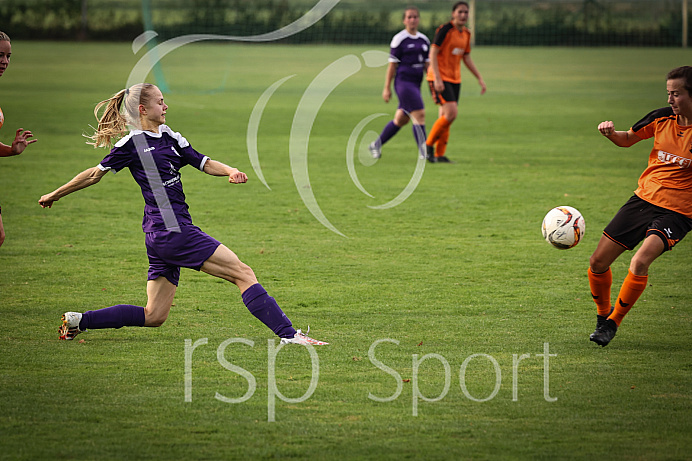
point(154, 320)
point(155, 317)
point(400, 121)
point(597, 264)
point(639, 266)
point(247, 275)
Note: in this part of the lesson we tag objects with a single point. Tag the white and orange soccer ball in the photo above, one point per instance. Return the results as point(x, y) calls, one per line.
point(563, 227)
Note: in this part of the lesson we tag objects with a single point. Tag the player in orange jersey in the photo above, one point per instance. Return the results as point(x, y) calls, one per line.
point(451, 45)
point(660, 211)
point(21, 137)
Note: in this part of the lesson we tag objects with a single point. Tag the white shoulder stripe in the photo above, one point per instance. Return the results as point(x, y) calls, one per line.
point(398, 38)
point(182, 142)
point(121, 142)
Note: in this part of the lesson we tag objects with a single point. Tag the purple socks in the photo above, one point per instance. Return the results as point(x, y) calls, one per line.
point(265, 308)
point(258, 302)
point(122, 315)
point(420, 136)
point(388, 132)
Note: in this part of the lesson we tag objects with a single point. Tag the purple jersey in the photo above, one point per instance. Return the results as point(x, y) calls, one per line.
point(410, 52)
point(166, 153)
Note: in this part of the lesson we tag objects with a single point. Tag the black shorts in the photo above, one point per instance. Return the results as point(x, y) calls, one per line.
point(637, 219)
point(450, 93)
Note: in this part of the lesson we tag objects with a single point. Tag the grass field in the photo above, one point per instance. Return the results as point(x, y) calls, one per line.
point(457, 269)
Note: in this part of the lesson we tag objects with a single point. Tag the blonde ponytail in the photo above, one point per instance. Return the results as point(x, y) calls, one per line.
point(114, 121)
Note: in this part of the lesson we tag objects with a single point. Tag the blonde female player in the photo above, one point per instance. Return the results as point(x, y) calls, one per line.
point(21, 137)
point(154, 155)
point(660, 211)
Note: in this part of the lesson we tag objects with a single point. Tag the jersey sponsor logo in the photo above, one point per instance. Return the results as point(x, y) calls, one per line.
point(149, 149)
point(171, 181)
point(458, 51)
point(666, 157)
point(175, 178)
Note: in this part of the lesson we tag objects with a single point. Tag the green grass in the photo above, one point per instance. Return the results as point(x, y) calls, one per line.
point(458, 269)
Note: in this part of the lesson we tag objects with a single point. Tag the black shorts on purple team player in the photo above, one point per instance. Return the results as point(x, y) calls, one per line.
point(169, 251)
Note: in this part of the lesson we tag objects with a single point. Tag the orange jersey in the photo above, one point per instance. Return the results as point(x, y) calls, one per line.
point(452, 44)
point(667, 180)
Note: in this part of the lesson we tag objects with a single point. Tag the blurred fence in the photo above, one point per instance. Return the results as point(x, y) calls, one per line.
point(494, 22)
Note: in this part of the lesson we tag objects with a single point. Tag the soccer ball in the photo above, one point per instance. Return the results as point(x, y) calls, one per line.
point(563, 227)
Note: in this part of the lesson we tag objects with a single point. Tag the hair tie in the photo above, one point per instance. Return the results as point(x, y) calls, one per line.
point(127, 91)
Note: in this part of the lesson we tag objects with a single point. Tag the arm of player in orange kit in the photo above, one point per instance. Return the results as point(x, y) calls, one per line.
point(435, 66)
point(471, 66)
point(619, 138)
point(21, 140)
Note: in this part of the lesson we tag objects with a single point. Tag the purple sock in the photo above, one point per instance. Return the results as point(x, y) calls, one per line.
point(389, 130)
point(420, 136)
point(122, 315)
point(265, 308)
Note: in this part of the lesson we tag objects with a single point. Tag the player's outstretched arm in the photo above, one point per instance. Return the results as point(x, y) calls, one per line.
point(84, 179)
point(619, 138)
point(21, 140)
point(214, 168)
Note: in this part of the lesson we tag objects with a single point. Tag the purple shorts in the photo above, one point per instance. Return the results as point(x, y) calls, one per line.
point(169, 251)
point(409, 96)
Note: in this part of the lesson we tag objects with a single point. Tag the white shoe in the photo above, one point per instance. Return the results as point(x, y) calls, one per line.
point(375, 149)
point(302, 338)
point(70, 325)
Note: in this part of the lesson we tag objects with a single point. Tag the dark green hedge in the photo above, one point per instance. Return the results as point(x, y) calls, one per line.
point(498, 22)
